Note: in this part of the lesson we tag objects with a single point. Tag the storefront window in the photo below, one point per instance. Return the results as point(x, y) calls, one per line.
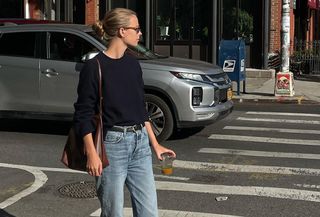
point(163, 18)
point(238, 20)
point(188, 19)
point(137, 6)
point(118, 3)
point(183, 17)
point(202, 19)
point(11, 9)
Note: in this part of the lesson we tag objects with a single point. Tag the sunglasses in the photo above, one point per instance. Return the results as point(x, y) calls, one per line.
point(137, 29)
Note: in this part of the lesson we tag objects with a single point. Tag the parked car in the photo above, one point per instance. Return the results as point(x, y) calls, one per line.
point(40, 63)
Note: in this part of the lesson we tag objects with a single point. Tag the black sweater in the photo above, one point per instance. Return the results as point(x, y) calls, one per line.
point(122, 91)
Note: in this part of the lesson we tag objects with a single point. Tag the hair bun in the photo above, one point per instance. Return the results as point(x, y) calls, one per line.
point(98, 28)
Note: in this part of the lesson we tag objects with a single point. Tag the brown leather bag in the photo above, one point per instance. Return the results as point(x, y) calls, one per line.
point(73, 155)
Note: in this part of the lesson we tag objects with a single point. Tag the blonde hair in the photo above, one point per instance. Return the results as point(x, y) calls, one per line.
point(114, 19)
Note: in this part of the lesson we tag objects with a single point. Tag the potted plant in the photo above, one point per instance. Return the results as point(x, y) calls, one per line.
point(163, 25)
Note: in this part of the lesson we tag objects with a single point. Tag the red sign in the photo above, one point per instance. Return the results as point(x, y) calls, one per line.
point(283, 81)
point(312, 4)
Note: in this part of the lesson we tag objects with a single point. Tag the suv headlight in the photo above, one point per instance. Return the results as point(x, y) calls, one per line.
point(197, 94)
point(190, 76)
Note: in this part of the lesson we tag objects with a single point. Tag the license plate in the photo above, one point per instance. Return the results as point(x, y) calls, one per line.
point(229, 94)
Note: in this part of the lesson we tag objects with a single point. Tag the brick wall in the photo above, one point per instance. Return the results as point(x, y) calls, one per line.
point(275, 25)
point(91, 11)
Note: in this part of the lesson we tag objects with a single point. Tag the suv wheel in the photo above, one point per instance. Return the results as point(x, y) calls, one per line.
point(161, 117)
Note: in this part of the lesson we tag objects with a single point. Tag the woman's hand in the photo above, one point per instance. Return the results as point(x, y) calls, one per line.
point(159, 150)
point(94, 164)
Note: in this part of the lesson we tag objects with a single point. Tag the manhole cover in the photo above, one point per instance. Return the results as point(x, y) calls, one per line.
point(79, 190)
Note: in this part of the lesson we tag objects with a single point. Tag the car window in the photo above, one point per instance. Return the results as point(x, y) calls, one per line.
point(68, 47)
point(18, 44)
point(140, 52)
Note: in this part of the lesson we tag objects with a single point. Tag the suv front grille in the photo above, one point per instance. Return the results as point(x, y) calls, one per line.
point(219, 79)
point(223, 95)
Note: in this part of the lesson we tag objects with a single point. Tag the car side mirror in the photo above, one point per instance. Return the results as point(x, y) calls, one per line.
point(88, 56)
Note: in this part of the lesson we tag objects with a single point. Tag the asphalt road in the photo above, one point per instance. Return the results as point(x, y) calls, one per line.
point(262, 160)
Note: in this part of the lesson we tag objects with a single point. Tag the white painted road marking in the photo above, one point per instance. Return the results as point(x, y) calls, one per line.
point(218, 167)
point(39, 180)
point(307, 186)
point(259, 153)
point(265, 139)
point(170, 213)
point(280, 130)
point(278, 120)
point(172, 177)
point(282, 193)
point(283, 114)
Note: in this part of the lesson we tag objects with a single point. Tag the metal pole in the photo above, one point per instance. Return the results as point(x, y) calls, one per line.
point(214, 32)
point(58, 8)
point(284, 78)
point(285, 28)
point(26, 9)
point(148, 19)
point(237, 16)
point(266, 33)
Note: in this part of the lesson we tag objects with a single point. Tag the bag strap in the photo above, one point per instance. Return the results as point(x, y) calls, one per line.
point(100, 88)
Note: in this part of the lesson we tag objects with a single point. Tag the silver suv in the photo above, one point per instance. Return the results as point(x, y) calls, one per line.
point(39, 66)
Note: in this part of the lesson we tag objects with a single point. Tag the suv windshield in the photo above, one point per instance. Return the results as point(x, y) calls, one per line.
point(140, 51)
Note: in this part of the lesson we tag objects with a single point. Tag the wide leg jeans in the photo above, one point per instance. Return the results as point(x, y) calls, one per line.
point(129, 155)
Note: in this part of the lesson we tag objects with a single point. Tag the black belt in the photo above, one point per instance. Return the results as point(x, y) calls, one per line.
point(132, 128)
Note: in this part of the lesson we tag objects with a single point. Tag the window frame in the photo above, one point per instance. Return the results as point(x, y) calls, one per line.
point(36, 47)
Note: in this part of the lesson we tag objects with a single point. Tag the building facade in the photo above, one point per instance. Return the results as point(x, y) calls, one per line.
point(189, 28)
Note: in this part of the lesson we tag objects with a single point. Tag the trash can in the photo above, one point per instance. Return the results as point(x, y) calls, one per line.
point(232, 60)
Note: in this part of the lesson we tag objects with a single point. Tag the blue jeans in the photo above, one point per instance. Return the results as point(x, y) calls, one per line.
point(129, 155)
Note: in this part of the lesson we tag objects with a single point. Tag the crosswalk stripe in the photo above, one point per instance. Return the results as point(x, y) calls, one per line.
point(283, 114)
point(265, 139)
point(259, 153)
point(283, 193)
point(127, 212)
point(280, 130)
point(172, 177)
point(219, 167)
point(307, 186)
point(278, 120)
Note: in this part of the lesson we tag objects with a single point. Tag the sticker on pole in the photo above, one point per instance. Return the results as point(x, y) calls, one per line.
point(229, 65)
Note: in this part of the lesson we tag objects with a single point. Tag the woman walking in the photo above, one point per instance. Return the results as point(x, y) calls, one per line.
point(128, 131)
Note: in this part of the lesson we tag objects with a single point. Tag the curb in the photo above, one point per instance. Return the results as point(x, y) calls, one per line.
point(274, 99)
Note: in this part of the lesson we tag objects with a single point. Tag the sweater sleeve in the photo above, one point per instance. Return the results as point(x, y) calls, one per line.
point(86, 104)
point(146, 115)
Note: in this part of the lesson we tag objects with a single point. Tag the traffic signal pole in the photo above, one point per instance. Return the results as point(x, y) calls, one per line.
point(284, 78)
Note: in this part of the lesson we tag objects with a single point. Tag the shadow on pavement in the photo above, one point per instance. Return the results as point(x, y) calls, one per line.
point(259, 94)
point(5, 214)
point(310, 78)
point(35, 126)
point(185, 133)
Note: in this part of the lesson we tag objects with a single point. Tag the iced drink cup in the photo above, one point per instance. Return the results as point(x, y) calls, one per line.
point(166, 164)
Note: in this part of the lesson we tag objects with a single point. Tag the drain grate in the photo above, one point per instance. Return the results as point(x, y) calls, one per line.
point(79, 190)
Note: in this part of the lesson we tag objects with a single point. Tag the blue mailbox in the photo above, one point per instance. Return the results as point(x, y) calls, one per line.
point(232, 60)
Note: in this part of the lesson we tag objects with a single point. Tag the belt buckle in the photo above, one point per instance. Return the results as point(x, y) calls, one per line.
point(139, 127)
point(136, 127)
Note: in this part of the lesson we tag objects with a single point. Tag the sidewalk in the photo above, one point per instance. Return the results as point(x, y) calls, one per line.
point(307, 91)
